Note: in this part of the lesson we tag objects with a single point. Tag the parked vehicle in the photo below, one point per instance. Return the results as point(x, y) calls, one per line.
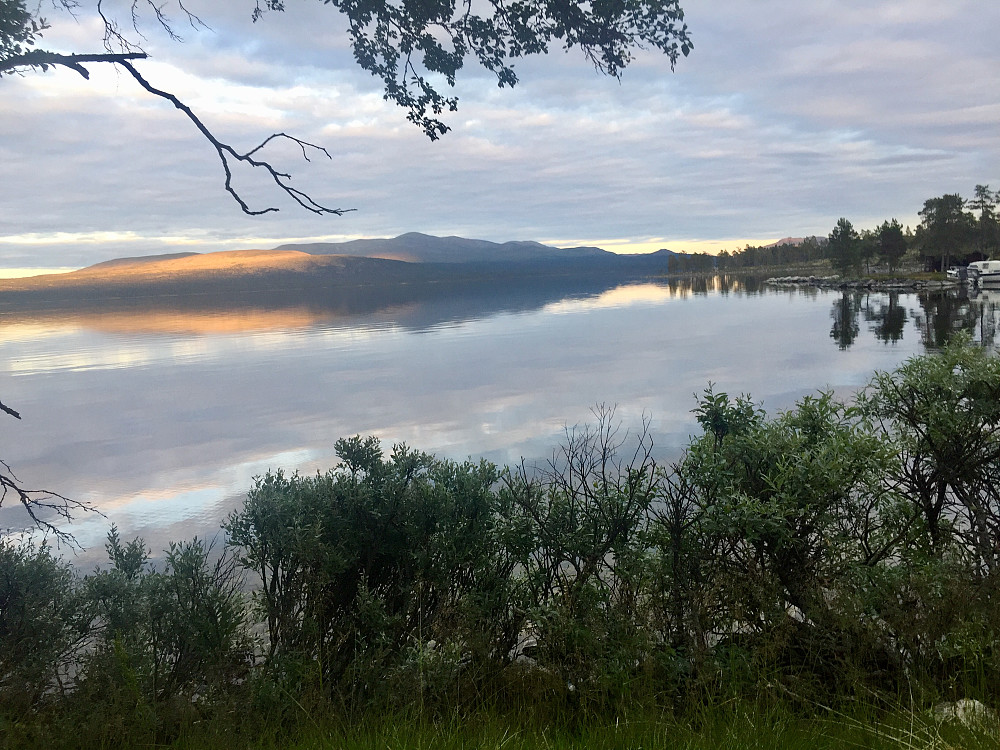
point(985, 271)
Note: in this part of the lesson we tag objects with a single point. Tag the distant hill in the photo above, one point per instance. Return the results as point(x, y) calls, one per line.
point(230, 262)
point(796, 241)
point(423, 248)
point(122, 262)
point(179, 268)
point(410, 258)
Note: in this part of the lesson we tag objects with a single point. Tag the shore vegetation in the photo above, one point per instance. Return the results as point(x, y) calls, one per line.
point(822, 577)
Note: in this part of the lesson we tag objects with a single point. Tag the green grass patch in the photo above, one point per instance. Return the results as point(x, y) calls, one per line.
point(733, 726)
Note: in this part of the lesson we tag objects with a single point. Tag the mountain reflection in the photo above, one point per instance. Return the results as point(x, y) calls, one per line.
point(933, 316)
point(409, 306)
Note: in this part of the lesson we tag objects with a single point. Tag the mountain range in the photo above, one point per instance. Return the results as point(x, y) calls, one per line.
point(422, 248)
point(410, 258)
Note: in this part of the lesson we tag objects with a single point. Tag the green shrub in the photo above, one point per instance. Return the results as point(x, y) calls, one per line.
point(44, 620)
point(369, 563)
point(583, 564)
point(166, 643)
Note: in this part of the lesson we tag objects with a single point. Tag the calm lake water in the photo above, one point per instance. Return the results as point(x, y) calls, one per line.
point(160, 415)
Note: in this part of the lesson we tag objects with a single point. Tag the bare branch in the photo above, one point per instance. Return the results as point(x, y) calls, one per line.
point(302, 145)
point(115, 39)
point(40, 503)
point(227, 152)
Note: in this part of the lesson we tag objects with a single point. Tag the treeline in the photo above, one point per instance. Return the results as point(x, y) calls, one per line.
point(952, 229)
point(810, 249)
point(816, 556)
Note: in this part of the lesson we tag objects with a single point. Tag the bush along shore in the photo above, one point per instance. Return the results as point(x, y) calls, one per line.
point(824, 576)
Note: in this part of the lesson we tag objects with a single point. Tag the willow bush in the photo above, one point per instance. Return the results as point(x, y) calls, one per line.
point(827, 553)
point(374, 566)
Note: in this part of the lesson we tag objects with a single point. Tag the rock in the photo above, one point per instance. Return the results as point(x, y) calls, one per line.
point(966, 711)
point(870, 285)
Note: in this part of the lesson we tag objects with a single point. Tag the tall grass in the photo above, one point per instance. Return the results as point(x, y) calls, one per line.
point(733, 726)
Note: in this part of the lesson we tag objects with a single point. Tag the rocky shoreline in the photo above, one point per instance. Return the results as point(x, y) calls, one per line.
point(872, 285)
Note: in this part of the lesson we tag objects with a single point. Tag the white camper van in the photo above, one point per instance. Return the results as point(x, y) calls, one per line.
point(985, 271)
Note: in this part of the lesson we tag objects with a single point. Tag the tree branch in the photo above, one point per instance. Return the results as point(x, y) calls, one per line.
point(226, 152)
point(10, 411)
point(40, 502)
point(44, 59)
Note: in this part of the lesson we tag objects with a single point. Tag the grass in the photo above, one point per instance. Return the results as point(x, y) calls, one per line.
point(713, 728)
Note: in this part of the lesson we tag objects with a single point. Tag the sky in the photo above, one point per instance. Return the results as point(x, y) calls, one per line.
point(785, 117)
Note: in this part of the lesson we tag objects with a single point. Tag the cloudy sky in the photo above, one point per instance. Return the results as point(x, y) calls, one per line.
point(786, 116)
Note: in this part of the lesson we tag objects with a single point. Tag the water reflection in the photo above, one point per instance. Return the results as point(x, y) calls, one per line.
point(845, 319)
point(942, 315)
point(888, 317)
point(161, 411)
point(412, 307)
point(935, 316)
point(989, 316)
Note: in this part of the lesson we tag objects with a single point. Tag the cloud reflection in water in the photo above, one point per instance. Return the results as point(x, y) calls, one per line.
point(163, 427)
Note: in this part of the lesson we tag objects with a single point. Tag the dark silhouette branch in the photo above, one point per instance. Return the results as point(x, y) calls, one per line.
point(114, 37)
point(4, 407)
point(41, 503)
point(43, 59)
point(227, 154)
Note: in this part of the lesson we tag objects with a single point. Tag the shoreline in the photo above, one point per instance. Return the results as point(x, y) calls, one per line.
point(866, 284)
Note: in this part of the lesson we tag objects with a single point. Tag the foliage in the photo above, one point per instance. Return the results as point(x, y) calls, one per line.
point(808, 251)
point(43, 620)
point(410, 45)
point(585, 571)
point(373, 558)
point(844, 248)
point(890, 243)
point(18, 29)
point(691, 263)
point(943, 415)
point(826, 555)
point(161, 639)
point(407, 45)
point(946, 229)
point(949, 232)
point(987, 226)
point(790, 507)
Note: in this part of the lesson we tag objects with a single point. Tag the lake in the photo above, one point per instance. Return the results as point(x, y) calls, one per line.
point(160, 414)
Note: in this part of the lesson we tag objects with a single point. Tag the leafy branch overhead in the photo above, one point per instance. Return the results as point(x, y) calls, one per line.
point(411, 45)
point(407, 43)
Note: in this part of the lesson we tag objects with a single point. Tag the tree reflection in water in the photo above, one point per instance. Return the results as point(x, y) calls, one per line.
point(845, 319)
point(943, 315)
point(889, 317)
point(936, 316)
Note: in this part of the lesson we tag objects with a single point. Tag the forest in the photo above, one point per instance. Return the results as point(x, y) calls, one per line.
point(952, 230)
